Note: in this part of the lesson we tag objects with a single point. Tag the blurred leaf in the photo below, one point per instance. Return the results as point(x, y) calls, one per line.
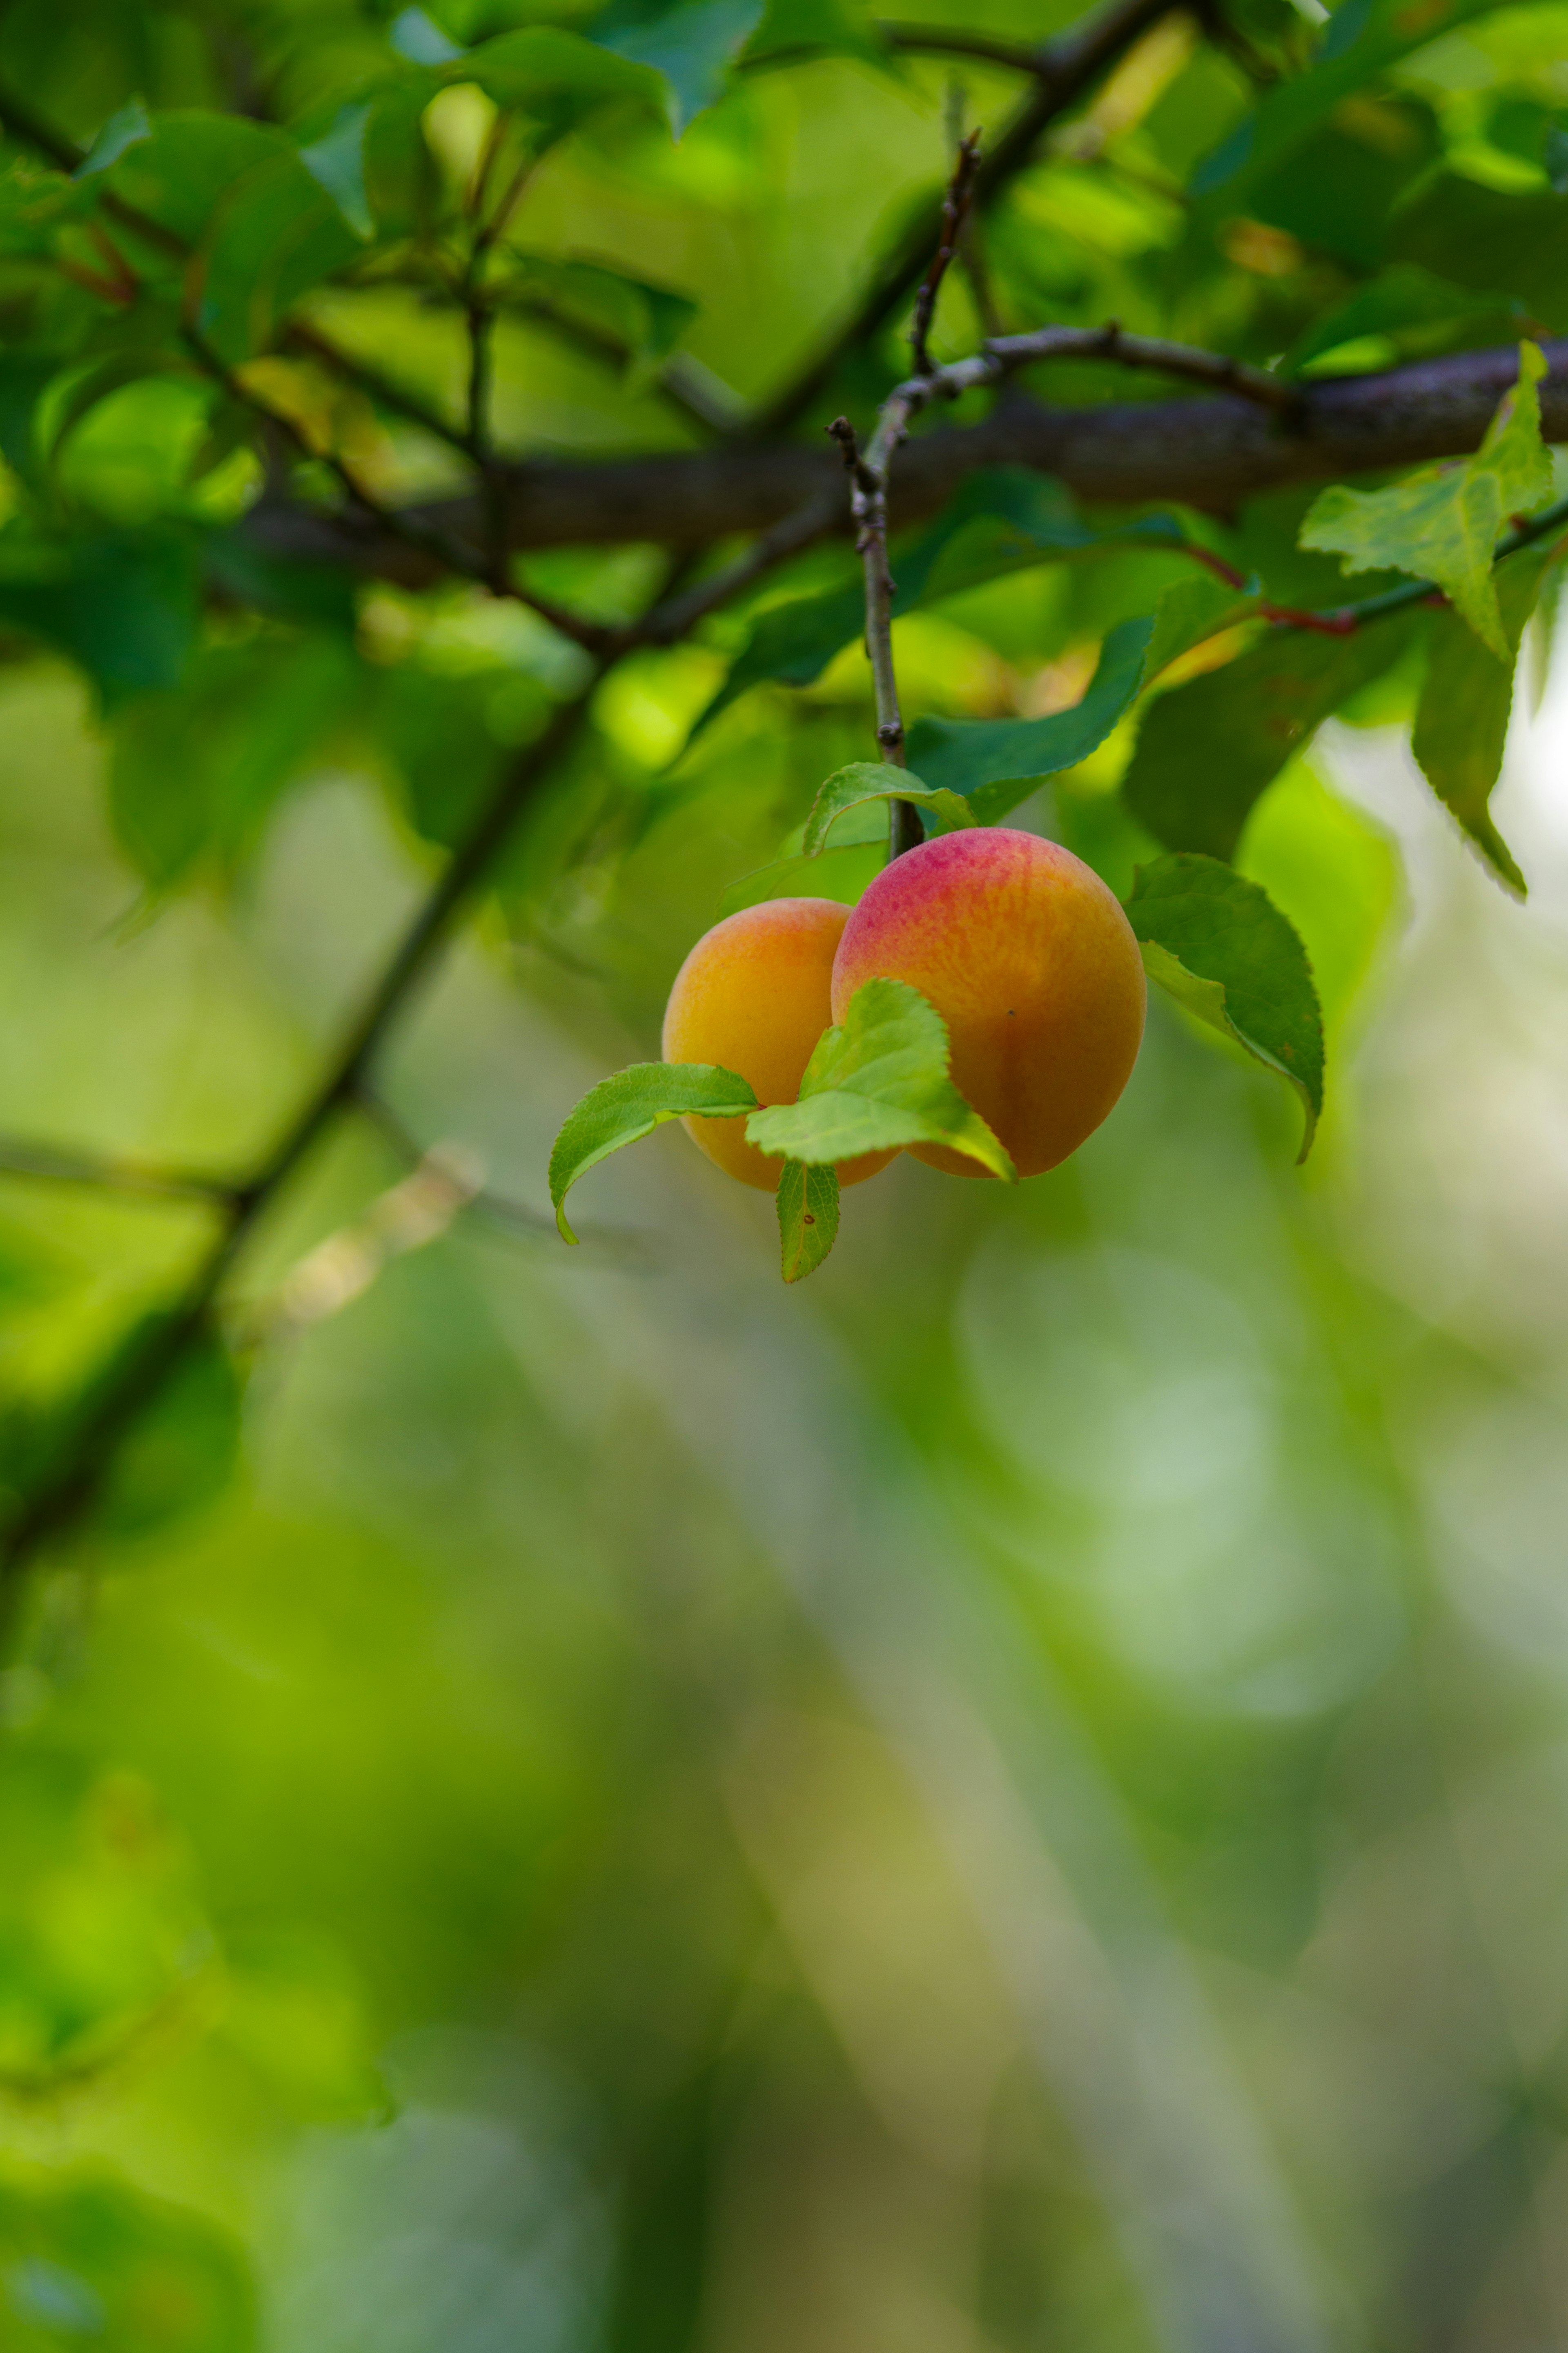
point(830, 27)
point(123, 604)
point(24, 377)
point(690, 44)
point(102, 1938)
point(195, 775)
point(555, 77)
point(126, 127)
point(1359, 44)
point(1461, 720)
point(792, 643)
point(182, 1451)
point(100, 381)
point(276, 234)
point(416, 36)
point(878, 1081)
point(873, 780)
point(436, 732)
point(1499, 241)
point(295, 2012)
point(631, 1105)
point(648, 320)
point(179, 172)
point(1443, 523)
point(808, 1217)
point(1406, 306)
point(1004, 519)
point(1206, 750)
point(321, 594)
point(84, 2260)
point(1222, 948)
point(337, 162)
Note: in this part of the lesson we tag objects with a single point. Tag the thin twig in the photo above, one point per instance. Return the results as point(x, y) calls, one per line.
point(679, 615)
point(937, 40)
point(49, 1163)
point(954, 209)
point(299, 335)
point(1062, 71)
point(70, 1487)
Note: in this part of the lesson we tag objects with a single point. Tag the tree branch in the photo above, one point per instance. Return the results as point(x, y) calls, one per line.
point(1203, 453)
point(49, 1163)
point(1063, 71)
point(68, 1489)
point(954, 209)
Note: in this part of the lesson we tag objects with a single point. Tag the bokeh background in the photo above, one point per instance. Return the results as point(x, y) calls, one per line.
point(1012, 1797)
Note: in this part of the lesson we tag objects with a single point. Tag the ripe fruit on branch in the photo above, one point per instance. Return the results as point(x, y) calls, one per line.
point(754, 996)
point(1032, 964)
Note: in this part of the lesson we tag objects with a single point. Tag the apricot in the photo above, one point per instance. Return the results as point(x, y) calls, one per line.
point(754, 996)
point(1033, 965)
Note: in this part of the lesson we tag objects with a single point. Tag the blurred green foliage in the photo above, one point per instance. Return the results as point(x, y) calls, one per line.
point(1011, 1797)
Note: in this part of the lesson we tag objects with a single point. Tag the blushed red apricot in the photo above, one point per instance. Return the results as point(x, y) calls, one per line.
point(754, 996)
point(1033, 965)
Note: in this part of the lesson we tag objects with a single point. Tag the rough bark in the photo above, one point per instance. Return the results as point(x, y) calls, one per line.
point(1207, 452)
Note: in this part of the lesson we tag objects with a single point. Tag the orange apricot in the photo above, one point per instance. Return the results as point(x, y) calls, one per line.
point(754, 996)
point(1031, 963)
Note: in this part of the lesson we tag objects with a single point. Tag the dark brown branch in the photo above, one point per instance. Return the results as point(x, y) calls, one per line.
point(1209, 453)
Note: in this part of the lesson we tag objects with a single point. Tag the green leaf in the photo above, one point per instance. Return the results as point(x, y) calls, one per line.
point(100, 380)
point(277, 233)
point(101, 1931)
point(1443, 523)
point(808, 1217)
point(1461, 720)
point(874, 780)
point(648, 320)
point(1004, 519)
point(1222, 948)
point(1499, 241)
point(690, 44)
point(180, 172)
point(631, 1105)
point(1358, 45)
point(555, 77)
point(994, 763)
point(337, 161)
point(123, 604)
point(86, 2260)
point(877, 1082)
point(417, 37)
point(126, 127)
point(1408, 311)
point(792, 644)
point(195, 775)
point(830, 27)
point(1206, 750)
point(183, 1450)
point(25, 377)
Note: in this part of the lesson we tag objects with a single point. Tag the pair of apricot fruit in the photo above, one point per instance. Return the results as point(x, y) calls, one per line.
point(1022, 949)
